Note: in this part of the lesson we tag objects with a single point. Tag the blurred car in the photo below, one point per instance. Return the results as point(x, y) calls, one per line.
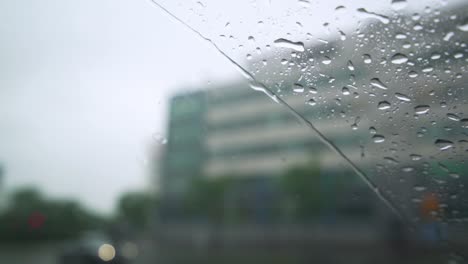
point(92, 248)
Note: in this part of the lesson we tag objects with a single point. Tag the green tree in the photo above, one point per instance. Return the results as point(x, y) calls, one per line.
point(300, 186)
point(206, 197)
point(135, 209)
point(30, 217)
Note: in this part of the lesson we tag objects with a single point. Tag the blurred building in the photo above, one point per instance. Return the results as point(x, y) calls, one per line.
point(357, 94)
point(234, 131)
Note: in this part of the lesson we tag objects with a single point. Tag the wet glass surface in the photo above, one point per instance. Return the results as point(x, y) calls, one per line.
point(320, 131)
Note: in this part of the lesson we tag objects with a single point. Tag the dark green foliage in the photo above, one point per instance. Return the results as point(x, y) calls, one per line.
point(30, 217)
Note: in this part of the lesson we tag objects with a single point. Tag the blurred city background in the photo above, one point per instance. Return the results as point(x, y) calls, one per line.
point(126, 138)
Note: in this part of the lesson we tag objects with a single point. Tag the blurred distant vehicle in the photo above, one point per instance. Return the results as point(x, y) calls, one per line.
point(92, 248)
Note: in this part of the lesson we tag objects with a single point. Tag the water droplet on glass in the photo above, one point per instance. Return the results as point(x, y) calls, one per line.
point(415, 157)
point(381, 18)
point(407, 169)
point(372, 130)
point(443, 144)
point(435, 56)
point(342, 35)
point(399, 58)
point(453, 117)
point(383, 105)
point(391, 160)
point(378, 84)
point(311, 102)
point(304, 3)
point(367, 58)
point(421, 109)
point(419, 188)
point(298, 88)
point(356, 122)
point(448, 36)
point(350, 65)
point(398, 4)
point(284, 43)
point(340, 8)
point(326, 60)
point(458, 55)
point(378, 138)
point(400, 36)
point(413, 74)
point(463, 26)
point(427, 69)
point(345, 91)
point(312, 90)
point(402, 97)
point(418, 27)
point(464, 122)
point(158, 137)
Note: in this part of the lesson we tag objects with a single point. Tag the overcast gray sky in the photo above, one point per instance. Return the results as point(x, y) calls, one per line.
point(83, 86)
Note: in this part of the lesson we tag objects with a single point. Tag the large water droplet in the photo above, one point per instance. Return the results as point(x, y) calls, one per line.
point(458, 55)
point(402, 97)
point(448, 36)
point(413, 74)
point(453, 117)
point(421, 109)
point(367, 58)
point(342, 35)
point(399, 58)
point(378, 138)
point(463, 26)
point(298, 88)
point(377, 83)
point(383, 105)
point(400, 36)
point(443, 144)
point(350, 66)
point(435, 56)
point(345, 91)
point(381, 18)
point(311, 102)
point(285, 43)
point(398, 4)
point(326, 60)
point(428, 69)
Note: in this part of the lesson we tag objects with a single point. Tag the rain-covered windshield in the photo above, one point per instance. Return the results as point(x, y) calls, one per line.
point(235, 131)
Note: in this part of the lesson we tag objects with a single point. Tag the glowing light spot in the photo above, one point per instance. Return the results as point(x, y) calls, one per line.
point(106, 252)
